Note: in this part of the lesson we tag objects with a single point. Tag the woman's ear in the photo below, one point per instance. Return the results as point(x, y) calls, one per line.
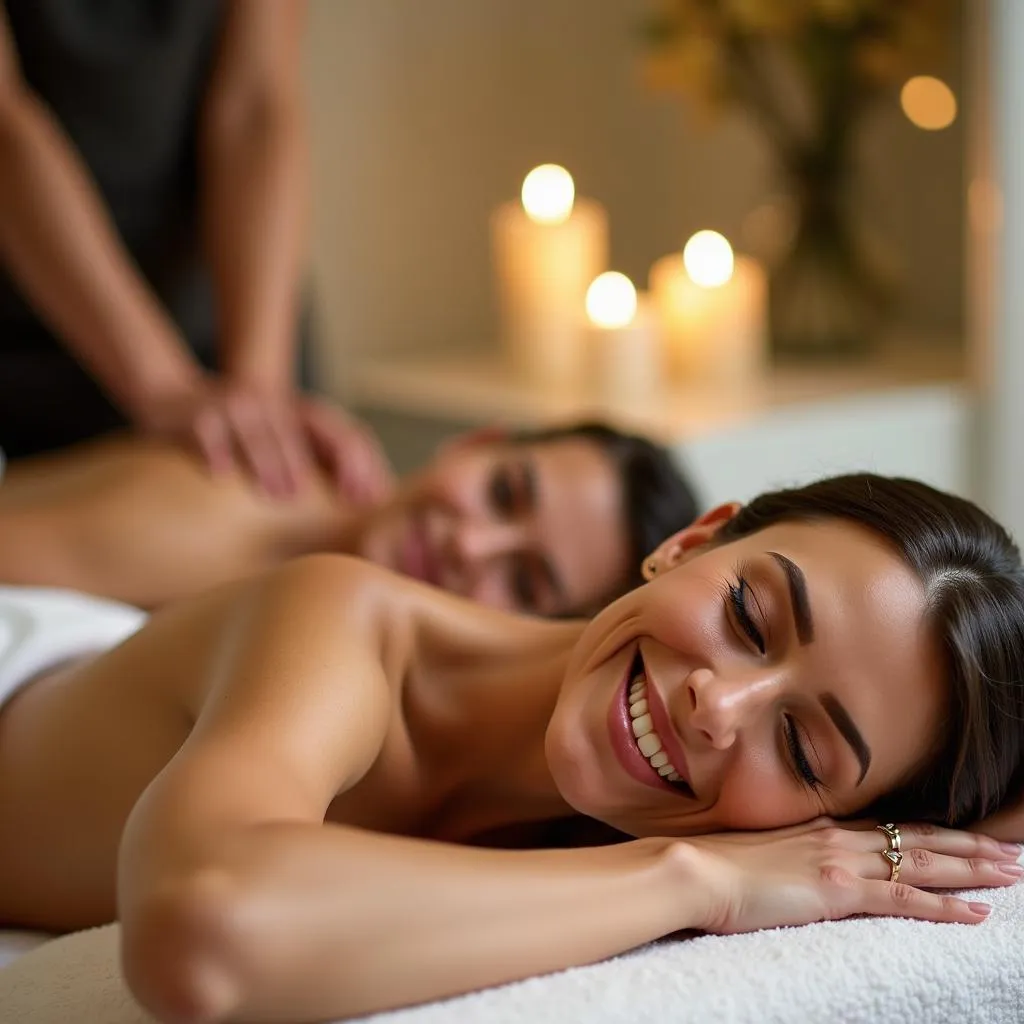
point(677, 548)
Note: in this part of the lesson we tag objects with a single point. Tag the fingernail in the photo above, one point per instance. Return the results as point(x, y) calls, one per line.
point(1012, 868)
point(984, 909)
point(1013, 849)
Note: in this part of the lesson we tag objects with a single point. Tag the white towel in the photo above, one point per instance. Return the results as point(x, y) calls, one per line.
point(850, 972)
point(40, 627)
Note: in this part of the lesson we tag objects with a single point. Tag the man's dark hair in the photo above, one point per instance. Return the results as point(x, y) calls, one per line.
point(657, 498)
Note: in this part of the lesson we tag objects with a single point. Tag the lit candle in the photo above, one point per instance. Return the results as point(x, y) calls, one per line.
point(547, 249)
point(711, 310)
point(624, 349)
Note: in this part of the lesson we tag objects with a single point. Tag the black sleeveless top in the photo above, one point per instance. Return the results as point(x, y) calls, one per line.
point(126, 79)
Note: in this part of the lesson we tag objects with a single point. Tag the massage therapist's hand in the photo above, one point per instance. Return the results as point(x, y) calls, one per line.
point(823, 871)
point(347, 450)
point(235, 426)
point(274, 435)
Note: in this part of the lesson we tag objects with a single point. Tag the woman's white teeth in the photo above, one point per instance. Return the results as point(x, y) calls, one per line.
point(647, 739)
point(643, 724)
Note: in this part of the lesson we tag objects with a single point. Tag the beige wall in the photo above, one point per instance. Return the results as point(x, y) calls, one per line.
point(427, 113)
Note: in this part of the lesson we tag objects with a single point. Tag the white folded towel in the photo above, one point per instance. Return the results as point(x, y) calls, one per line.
point(852, 972)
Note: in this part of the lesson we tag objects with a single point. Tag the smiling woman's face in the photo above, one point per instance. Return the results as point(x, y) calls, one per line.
point(780, 676)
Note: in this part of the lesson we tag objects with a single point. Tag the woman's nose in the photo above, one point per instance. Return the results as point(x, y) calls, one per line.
point(721, 706)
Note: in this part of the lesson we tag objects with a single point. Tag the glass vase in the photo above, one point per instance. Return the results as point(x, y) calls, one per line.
point(827, 299)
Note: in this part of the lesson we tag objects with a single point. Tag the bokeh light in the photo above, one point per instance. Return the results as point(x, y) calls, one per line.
point(928, 103)
point(709, 259)
point(548, 194)
point(611, 300)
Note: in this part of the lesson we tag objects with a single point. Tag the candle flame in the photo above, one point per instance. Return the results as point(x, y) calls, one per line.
point(611, 300)
point(709, 259)
point(548, 194)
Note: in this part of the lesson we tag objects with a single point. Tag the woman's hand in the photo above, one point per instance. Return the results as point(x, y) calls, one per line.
point(823, 871)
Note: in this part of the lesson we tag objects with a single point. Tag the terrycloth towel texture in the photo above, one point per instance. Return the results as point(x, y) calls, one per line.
point(841, 972)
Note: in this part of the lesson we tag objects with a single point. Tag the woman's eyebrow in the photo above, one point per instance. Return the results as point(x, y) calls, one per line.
point(797, 585)
point(848, 730)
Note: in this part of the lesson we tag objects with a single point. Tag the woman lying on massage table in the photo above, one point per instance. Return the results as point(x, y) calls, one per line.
point(300, 793)
point(553, 523)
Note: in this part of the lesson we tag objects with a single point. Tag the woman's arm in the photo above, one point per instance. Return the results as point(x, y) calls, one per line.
point(304, 922)
point(59, 244)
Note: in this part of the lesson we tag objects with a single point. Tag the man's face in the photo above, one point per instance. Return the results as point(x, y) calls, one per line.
point(532, 526)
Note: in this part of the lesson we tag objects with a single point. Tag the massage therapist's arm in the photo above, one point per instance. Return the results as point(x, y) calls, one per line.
point(255, 158)
point(59, 243)
point(238, 903)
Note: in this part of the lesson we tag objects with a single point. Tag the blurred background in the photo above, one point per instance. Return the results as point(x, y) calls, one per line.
point(788, 126)
point(427, 116)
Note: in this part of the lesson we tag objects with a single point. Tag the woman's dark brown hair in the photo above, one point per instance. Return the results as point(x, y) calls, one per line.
point(972, 575)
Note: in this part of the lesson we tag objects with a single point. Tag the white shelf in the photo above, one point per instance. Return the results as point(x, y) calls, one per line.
point(482, 389)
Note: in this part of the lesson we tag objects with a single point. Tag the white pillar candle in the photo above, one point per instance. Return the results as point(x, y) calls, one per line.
point(547, 249)
point(624, 352)
point(712, 311)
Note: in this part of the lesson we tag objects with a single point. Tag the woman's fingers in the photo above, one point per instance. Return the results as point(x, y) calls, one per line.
point(949, 841)
point(922, 867)
point(956, 843)
point(900, 900)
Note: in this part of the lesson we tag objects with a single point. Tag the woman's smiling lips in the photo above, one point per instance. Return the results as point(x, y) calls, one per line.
point(624, 744)
point(670, 739)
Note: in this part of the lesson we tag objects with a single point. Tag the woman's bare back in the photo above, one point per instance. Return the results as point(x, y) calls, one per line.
point(79, 744)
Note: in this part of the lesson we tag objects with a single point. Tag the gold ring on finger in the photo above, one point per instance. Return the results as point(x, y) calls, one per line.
point(892, 834)
point(895, 859)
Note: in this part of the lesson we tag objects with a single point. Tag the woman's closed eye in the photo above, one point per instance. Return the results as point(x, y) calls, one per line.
point(501, 491)
point(797, 755)
point(739, 606)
